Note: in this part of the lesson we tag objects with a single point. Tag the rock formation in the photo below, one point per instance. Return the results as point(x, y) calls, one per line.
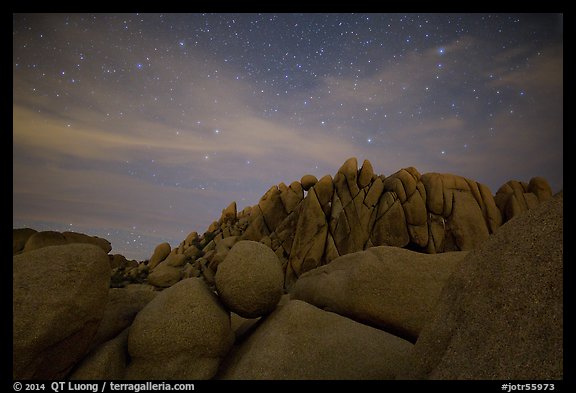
point(388, 287)
point(312, 222)
point(59, 298)
point(502, 307)
point(300, 341)
point(371, 264)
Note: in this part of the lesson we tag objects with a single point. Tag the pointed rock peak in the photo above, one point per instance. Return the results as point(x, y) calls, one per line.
point(349, 168)
point(229, 213)
point(365, 174)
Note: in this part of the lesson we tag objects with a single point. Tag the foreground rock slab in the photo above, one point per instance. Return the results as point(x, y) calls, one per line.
point(391, 288)
point(300, 341)
point(59, 297)
point(502, 307)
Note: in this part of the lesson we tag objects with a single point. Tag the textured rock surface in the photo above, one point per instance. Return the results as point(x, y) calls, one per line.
point(250, 279)
point(160, 253)
point(502, 307)
point(300, 341)
point(388, 287)
point(108, 361)
point(53, 238)
point(311, 222)
point(181, 334)
point(59, 297)
point(19, 238)
point(164, 275)
point(121, 309)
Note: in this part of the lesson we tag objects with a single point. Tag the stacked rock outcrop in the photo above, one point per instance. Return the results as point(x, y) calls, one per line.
point(213, 307)
point(311, 222)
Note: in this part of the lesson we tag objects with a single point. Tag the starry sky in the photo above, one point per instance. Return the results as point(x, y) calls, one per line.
point(141, 128)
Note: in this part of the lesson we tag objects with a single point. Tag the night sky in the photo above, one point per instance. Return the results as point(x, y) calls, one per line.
point(141, 128)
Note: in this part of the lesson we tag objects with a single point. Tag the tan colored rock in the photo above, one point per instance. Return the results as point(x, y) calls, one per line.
point(391, 288)
point(491, 213)
point(540, 187)
point(345, 181)
point(160, 253)
point(365, 174)
point(229, 214)
point(324, 192)
point(107, 362)
point(291, 196)
point(164, 275)
point(272, 208)
point(390, 228)
point(434, 192)
point(250, 281)
point(502, 307)
point(182, 334)
point(52, 238)
point(74, 237)
point(308, 181)
point(191, 238)
point(308, 245)
point(300, 341)
point(374, 193)
point(257, 227)
point(19, 238)
point(121, 309)
point(175, 260)
point(44, 239)
point(59, 297)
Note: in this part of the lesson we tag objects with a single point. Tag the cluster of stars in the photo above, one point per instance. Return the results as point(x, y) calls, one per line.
point(369, 81)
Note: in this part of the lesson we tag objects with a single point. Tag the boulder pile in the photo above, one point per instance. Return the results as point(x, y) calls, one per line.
point(359, 276)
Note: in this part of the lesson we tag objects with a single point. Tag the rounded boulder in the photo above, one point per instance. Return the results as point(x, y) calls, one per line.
point(250, 280)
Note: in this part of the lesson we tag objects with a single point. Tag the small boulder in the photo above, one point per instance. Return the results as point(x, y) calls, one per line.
point(308, 181)
point(250, 280)
point(161, 251)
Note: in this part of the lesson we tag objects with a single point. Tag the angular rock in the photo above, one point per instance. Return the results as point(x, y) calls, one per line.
point(502, 307)
point(300, 341)
point(182, 334)
point(309, 240)
point(324, 191)
point(365, 174)
point(391, 288)
point(466, 223)
point(250, 281)
point(390, 228)
point(272, 208)
point(59, 297)
point(160, 253)
point(229, 214)
point(257, 227)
